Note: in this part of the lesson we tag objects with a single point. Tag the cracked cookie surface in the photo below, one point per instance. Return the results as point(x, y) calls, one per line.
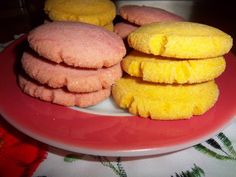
point(180, 40)
point(77, 44)
point(168, 70)
point(97, 12)
point(75, 79)
point(164, 102)
point(61, 96)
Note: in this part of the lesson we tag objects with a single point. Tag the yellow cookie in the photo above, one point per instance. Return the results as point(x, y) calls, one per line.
point(164, 102)
point(97, 12)
point(109, 26)
point(180, 40)
point(165, 70)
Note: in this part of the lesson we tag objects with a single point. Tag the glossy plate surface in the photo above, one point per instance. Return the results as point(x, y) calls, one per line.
point(105, 129)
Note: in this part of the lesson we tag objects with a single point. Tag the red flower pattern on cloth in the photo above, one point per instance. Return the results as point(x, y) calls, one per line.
point(19, 155)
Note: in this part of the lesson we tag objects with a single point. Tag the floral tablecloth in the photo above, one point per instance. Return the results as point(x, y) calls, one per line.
point(22, 156)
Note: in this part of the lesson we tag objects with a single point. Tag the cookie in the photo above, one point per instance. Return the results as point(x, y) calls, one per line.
point(109, 26)
point(183, 40)
point(97, 12)
point(61, 96)
point(164, 102)
point(74, 79)
point(141, 15)
point(123, 29)
point(168, 70)
point(77, 44)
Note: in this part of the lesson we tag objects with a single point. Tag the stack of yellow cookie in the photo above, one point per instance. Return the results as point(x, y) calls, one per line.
point(172, 70)
point(96, 12)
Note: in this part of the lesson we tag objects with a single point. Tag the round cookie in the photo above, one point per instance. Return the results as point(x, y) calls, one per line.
point(97, 12)
point(75, 79)
point(164, 102)
point(60, 96)
point(168, 70)
point(123, 29)
point(77, 44)
point(141, 15)
point(180, 40)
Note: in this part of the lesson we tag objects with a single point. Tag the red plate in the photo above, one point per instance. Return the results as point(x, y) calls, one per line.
point(109, 135)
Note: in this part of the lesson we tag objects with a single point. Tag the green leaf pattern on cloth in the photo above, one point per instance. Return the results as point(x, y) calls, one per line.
point(227, 150)
point(116, 167)
point(220, 147)
point(196, 171)
point(227, 143)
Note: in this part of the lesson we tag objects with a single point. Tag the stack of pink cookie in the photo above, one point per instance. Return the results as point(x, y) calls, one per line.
point(72, 64)
point(135, 16)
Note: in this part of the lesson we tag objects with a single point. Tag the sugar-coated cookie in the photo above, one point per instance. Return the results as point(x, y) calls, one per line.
point(180, 40)
point(61, 96)
point(75, 79)
point(168, 70)
point(123, 29)
point(164, 102)
point(97, 12)
point(77, 44)
point(141, 15)
point(109, 26)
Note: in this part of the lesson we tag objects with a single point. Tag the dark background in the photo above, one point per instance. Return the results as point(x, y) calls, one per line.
point(19, 16)
point(217, 13)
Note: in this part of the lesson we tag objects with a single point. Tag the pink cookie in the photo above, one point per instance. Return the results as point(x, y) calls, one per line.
point(77, 44)
point(75, 79)
point(123, 29)
point(141, 15)
point(60, 96)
